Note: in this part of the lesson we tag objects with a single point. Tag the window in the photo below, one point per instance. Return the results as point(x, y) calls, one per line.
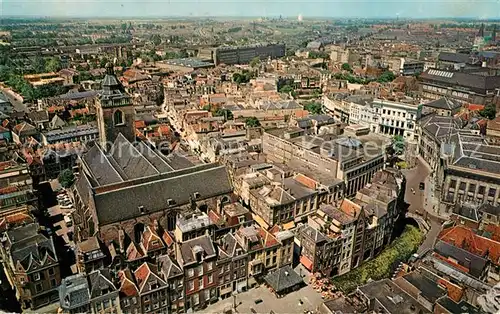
point(36, 276)
point(148, 308)
point(481, 190)
point(53, 283)
point(462, 186)
point(210, 266)
point(191, 285)
point(51, 271)
point(200, 283)
point(210, 279)
point(190, 272)
point(118, 117)
point(39, 287)
point(126, 302)
point(472, 188)
point(492, 192)
point(99, 307)
point(106, 304)
point(196, 299)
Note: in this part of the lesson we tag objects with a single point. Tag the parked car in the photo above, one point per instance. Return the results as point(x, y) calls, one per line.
point(421, 186)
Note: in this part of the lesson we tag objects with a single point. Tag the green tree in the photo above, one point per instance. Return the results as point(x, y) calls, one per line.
point(103, 62)
point(53, 65)
point(39, 64)
point(287, 89)
point(66, 178)
point(398, 144)
point(156, 39)
point(226, 113)
point(346, 67)
point(314, 107)
point(252, 122)
point(489, 112)
point(255, 62)
point(243, 77)
point(386, 77)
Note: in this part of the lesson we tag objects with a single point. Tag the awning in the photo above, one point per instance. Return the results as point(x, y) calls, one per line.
point(260, 221)
point(306, 262)
point(289, 225)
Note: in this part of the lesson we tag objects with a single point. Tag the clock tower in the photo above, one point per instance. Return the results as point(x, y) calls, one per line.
point(114, 110)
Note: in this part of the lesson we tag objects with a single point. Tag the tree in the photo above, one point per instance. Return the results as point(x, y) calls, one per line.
point(53, 65)
point(66, 178)
point(156, 39)
point(226, 113)
point(252, 122)
point(386, 77)
point(489, 112)
point(255, 62)
point(398, 144)
point(103, 62)
point(287, 89)
point(346, 67)
point(314, 107)
point(243, 77)
point(39, 64)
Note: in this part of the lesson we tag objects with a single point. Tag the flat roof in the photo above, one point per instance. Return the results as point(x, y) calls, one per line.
point(189, 62)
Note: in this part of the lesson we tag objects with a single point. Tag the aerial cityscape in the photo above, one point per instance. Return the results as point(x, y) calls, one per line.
point(249, 157)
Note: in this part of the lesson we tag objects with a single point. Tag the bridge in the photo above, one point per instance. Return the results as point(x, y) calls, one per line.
point(422, 224)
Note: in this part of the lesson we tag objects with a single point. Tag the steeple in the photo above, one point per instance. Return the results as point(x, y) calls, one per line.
point(115, 111)
point(111, 84)
point(481, 31)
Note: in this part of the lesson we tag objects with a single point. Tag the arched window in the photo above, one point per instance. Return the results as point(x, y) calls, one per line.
point(118, 117)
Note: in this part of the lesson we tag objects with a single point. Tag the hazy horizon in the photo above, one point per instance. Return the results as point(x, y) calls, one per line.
point(480, 9)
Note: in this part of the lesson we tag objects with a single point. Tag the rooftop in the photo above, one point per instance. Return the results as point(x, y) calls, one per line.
point(392, 297)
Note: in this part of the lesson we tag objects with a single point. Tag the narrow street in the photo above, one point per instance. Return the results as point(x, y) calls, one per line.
point(420, 202)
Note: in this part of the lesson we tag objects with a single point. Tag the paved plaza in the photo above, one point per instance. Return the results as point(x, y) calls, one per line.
point(288, 304)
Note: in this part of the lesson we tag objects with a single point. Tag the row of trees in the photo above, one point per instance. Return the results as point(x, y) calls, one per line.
point(381, 266)
point(385, 77)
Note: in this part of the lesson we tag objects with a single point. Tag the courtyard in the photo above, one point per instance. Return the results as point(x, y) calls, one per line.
point(291, 303)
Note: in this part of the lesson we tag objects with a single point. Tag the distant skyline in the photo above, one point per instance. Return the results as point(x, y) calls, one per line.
point(481, 9)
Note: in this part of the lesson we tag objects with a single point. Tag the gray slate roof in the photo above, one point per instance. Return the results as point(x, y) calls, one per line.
point(476, 264)
point(443, 103)
point(283, 278)
point(153, 195)
point(100, 280)
point(74, 292)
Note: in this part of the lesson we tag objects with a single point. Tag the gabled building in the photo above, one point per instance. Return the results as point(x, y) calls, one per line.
point(197, 257)
point(130, 302)
point(104, 296)
point(31, 266)
point(174, 276)
point(261, 248)
point(232, 264)
point(74, 294)
point(152, 289)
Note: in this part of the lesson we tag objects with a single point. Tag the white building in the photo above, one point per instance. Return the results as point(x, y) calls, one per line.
point(386, 117)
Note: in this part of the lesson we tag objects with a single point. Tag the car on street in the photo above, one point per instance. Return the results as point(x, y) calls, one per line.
point(413, 190)
point(421, 186)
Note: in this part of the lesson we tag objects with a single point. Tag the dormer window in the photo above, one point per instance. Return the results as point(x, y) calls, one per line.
point(196, 195)
point(118, 118)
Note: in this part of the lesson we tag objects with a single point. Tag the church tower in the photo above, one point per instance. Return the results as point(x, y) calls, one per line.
point(115, 111)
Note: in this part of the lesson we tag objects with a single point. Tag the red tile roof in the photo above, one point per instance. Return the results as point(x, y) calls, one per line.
point(268, 239)
point(168, 239)
point(475, 107)
point(466, 239)
point(140, 124)
point(127, 287)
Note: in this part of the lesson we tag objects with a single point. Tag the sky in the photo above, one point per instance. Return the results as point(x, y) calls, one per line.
point(482, 9)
